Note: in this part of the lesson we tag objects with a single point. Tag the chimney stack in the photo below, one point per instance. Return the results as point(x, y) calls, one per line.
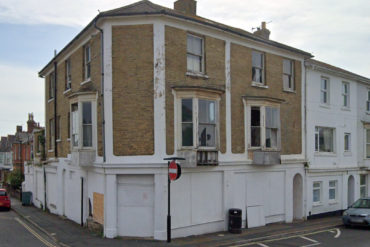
point(19, 128)
point(262, 31)
point(188, 7)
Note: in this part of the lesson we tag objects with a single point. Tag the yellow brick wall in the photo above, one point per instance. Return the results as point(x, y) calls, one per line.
point(176, 68)
point(133, 100)
point(63, 100)
point(290, 113)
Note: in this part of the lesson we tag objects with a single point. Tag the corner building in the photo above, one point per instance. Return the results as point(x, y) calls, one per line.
point(142, 83)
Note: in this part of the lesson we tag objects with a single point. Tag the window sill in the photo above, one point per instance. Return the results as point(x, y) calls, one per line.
point(333, 202)
point(258, 84)
point(196, 74)
point(289, 91)
point(59, 140)
point(85, 81)
point(317, 204)
point(347, 153)
point(50, 150)
point(50, 100)
point(345, 108)
point(264, 149)
point(325, 154)
point(67, 91)
point(327, 106)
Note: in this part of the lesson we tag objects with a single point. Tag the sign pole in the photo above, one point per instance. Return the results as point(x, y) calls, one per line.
point(169, 207)
point(173, 173)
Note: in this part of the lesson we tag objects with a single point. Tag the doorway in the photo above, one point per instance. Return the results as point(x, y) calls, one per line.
point(297, 197)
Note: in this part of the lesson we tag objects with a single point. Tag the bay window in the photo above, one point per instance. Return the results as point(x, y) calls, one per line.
point(198, 122)
point(264, 126)
point(81, 121)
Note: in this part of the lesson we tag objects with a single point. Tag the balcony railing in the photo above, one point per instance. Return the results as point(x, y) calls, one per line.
point(194, 157)
point(207, 158)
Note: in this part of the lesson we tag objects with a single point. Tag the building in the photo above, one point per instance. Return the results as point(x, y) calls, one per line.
point(142, 83)
point(337, 122)
point(22, 147)
point(6, 163)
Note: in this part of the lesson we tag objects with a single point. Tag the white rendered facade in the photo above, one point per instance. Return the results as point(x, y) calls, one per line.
point(335, 137)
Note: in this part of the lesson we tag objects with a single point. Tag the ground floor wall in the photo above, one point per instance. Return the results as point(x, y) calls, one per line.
point(132, 201)
point(330, 191)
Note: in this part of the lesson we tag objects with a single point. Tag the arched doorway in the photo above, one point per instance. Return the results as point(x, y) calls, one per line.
point(297, 197)
point(351, 190)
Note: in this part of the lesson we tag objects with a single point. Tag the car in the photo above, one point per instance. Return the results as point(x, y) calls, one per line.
point(358, 214)
point(4, 199)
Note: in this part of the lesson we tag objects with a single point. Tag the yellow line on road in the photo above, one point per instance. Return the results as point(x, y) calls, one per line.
point(43, 240)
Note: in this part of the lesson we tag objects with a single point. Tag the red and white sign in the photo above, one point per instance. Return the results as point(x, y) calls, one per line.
point(172, 170)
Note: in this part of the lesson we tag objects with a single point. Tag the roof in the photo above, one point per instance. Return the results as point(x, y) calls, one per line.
point(337, 69)
point(146, 7)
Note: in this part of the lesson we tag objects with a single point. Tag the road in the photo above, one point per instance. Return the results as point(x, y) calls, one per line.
point(338, 237)
point(14, 231)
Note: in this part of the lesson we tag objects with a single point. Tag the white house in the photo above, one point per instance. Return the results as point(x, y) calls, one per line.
point(336, 115)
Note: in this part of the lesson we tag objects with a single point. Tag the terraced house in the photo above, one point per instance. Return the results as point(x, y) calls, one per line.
point(142, 83)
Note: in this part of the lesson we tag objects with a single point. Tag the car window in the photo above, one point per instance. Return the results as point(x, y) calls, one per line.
point(2, 193)
point(361, 203)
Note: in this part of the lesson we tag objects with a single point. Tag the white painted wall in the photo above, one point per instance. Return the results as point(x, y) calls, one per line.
point(332, 115)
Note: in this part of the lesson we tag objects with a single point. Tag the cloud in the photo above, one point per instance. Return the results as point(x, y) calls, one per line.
point(22, 92)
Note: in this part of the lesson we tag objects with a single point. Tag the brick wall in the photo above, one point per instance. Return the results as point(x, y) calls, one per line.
point(176, 68)
point(290, 114)
point(133, 100)
point(63, 100)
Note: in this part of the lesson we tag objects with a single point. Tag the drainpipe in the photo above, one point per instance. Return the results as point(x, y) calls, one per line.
point(102, 85)
point(55, 110)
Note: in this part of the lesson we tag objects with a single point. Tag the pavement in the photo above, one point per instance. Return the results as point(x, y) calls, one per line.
point(67, 233)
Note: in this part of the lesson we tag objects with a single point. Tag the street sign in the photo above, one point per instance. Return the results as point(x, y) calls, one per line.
point(174, 171)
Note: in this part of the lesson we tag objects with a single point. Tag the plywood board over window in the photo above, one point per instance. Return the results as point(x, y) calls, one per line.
point(98, 208)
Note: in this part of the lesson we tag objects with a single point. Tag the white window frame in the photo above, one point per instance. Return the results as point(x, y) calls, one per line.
point(319, 188)
point(291, 84)
point(367, 156)
point(325, 91)
point(262, 68)
point(195, 96)
point(51, 85)
point(345, 95)
point(51, 134)
point(317, 139)
point(68, 74)
point(363, 186)
point(201, 56)
point(335, 188)
point(248, 104)
point(79, 100)
point(87, 62)
point(348, 135)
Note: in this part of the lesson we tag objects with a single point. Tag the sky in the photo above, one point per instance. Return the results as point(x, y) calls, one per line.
point(334, 31)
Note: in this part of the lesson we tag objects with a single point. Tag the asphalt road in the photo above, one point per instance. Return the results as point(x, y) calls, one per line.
point(338, 237)
point(14, 231)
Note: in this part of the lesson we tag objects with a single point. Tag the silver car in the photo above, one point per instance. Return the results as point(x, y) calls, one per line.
point(358, 213)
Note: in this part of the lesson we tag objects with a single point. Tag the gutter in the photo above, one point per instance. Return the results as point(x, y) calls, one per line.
point(102, 85)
